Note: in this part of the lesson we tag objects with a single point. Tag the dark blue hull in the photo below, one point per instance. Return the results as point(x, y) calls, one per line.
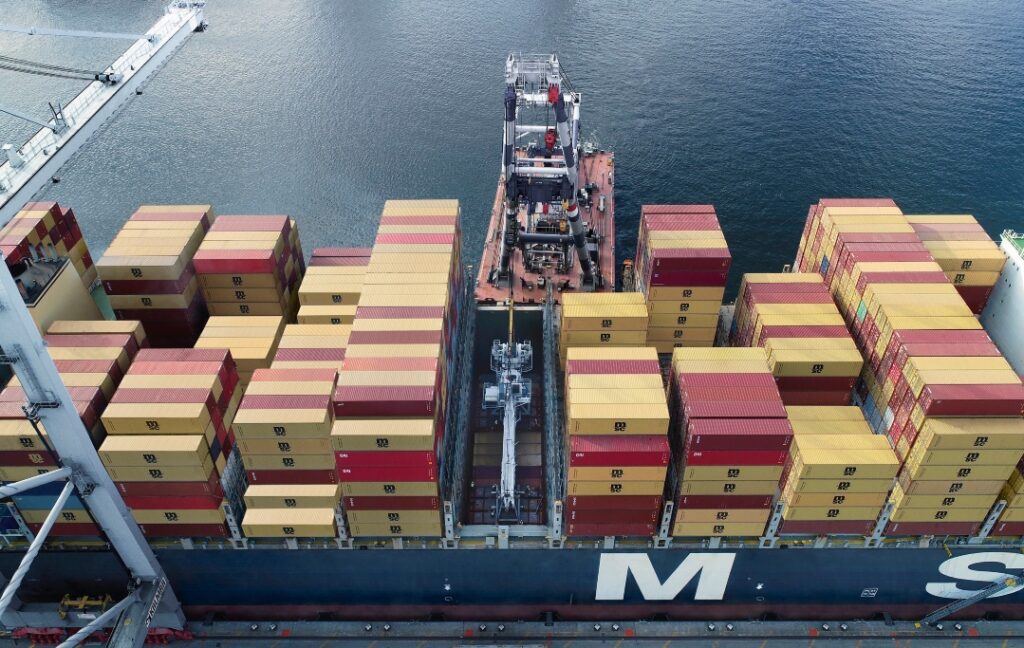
point(580, 584)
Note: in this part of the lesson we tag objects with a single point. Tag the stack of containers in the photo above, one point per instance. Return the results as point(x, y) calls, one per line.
point(169, 439)
point(927, 360)
point(602, 320)
point(283, 428)
point(147, 272)
point(682, 262)
point(330, 290)
point(811, 354)
point(838, 475)
point(251, 265)
point(392, 395)
point(970, 258)
point(1011, 521)
point(92, 358)
point(45, 230)
point(252, 341)
point(312, 346)
point(730, 440)
point(617, 421)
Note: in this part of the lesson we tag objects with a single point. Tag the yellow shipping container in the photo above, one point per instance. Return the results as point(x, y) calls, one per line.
point(612, 353)
point(601, 337)
point(67, 327)
point(823, 462)
point(619, 396)
point(289, 523)
point(689, 320)
point(604, 317)
point(781, 278)
point(276, 424)
point(326, 314)
point(421, 208)
point(67, 516)
point(839, 428)
point(604, 418)
point(731, 529)
point(939, 515)
point(901, 500)
point(745, 516)
point(812, 500)
point(685, 293)
point(690, 334)
point(383, 434)
point(830, 512)
point(198, 473)
point(394, 351)
point(624, 473)
point(149, 418)
point(690, 307)
point(972, 278)
point(804, 344)
point(154, 450)
point(1014, 514)
point(591, 299)
point(960, 473)
point(389, 489)
point(387, 378)
point(838, 486)
point(288, 462)
point(616, 487)
point(406, 530)
point(319, 446)
point(989, 457)
point(732, 474)
point(815, 362)
point(293, 496)
point(707, 242)
point(729, 487)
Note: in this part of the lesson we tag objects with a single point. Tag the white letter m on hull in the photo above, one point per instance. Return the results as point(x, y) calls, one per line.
point(711, 569)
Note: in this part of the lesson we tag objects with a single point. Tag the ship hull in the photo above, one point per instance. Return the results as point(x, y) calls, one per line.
point(573, 584)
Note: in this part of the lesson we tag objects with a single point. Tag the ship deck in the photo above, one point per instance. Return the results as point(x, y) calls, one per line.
point(597, 168)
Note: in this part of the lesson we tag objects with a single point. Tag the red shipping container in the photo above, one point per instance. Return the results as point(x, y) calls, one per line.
point(826, 527)
point(613, 529)
point(701, 383)
point(40, 458)
point(253, 223)
point(619, 502)
point(802, 332)
point(292, 477)
point(284, 375)
point(677, 209)
point(400, 312)
point(385, 458)
point(68, 529)
point(173, 502)
point(184, 530)
point(210, 488)
point(679, 278)
point(312, 355)
point(612, 367)
point(387, 473)
point(385, 503)
point(125, 341)
point(734, 434)
point(1008, 529)
point(723, 501)
point(414, 220)
point(618, 450)
point(385, 401)
point(150, 286)
point(316, 261)
point(415, 239)
point(611, 516)
point(822, 383)
point(288, 401)
point(973, 400)
point(735, 409)
point(736, 457)
point(932, 528)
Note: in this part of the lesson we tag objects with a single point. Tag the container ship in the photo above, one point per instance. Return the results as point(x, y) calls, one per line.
point(390, 433)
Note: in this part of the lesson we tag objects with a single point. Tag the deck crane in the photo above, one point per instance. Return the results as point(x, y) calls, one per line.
point(150, 597)
point(545, 175)
point(512, 391)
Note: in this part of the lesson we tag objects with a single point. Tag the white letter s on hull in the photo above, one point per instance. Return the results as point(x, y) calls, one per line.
point(961, 568)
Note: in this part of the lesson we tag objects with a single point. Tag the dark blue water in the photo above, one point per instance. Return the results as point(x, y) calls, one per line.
point(322, 109)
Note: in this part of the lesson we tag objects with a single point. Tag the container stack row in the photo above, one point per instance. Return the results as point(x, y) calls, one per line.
point(252, 341)
point(930, 369)
point(312, 346)
point(92, 357)
point(1011, 521)
point(810, 351)
point(617, 424)
point(392, 396)
point(283, 427)
point(170, 437)
point(730, 441)
point(148, 273)
point(608, 319)
point(251, 265)
point(330, 290)
point(967, 254)
point(838, 475)
point(43, 230)
point(682, 263)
